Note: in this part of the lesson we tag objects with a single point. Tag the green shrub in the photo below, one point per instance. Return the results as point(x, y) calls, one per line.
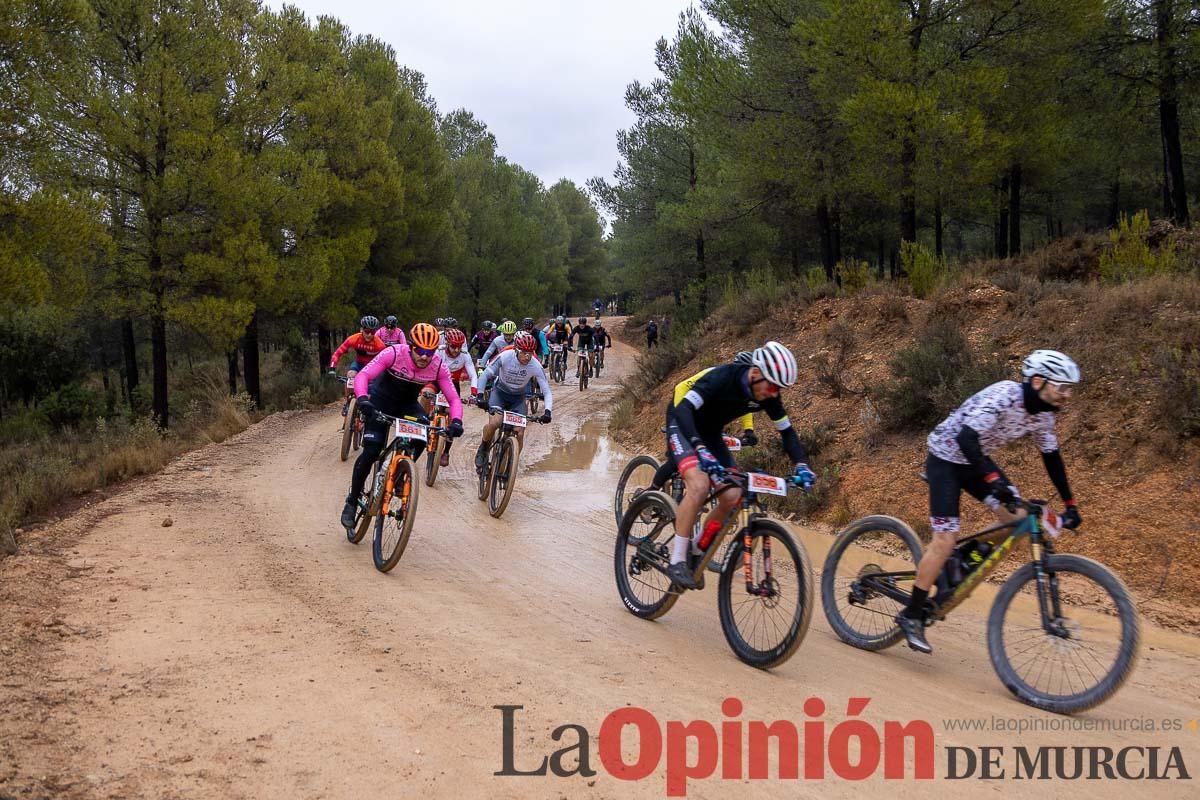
point(925, 271)
point(854, 275)
point(70, 405)
point(1130, 255)
point(932, 377)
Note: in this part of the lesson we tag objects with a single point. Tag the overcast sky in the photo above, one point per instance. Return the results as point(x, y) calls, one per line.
point(548, 77)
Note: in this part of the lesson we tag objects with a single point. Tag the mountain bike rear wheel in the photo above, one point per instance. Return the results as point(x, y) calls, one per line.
point(643, 540)
point(765, 627)
point(433, 458)
point(1061, 658)
point(638, 474)
point(393, 528)
point(858, 615)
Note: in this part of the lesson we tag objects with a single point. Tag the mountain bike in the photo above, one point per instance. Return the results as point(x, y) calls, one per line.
point(583, 367)
point(599, 359)
point(352, 422)
point(498, 476)
point(1049, 655)
point(765, 615)
point(389, 496)
point(533, 398)
point(558, 363)
point(438, 442)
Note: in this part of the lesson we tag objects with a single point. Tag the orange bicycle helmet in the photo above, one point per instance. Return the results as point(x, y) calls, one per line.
point(455, 337)
point(425, 336)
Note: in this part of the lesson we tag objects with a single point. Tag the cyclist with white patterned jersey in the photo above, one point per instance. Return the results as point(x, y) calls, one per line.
point(513, 371)
point(959, 459)
point(696, 442)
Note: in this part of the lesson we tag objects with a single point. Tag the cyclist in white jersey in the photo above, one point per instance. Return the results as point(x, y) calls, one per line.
point(959, 459)
point(513, 371)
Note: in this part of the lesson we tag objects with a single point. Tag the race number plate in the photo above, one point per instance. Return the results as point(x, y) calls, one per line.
point(733, 443)
point(441, 400)
point(767, 484)
point(410, 430)
point(558, 348)
point(514, 419)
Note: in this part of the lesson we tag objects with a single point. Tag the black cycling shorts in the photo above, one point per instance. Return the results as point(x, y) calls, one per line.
point(947, 480)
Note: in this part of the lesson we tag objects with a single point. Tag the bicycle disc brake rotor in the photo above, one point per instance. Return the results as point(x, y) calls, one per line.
point(860, 592)
point(1065, 635)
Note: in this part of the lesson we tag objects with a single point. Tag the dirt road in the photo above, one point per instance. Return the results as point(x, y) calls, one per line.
point(249, 651)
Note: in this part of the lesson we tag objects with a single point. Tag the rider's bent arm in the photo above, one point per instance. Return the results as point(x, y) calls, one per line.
point(748, 422)
point(337, 354)
point(489, 373)
point(469, 366)
point(791, 440)
point(547, 394)
point(492, 348)
point(1057, 471)
point(968, 442)
point(447, 388)
point(685, 419)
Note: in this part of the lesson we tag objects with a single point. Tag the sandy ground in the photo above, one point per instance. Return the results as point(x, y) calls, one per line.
point(249, 651)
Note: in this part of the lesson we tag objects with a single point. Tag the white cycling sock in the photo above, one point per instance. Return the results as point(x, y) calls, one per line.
point(679, 549)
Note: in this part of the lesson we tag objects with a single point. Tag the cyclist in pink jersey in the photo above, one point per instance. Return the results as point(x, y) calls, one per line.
point(399, 373)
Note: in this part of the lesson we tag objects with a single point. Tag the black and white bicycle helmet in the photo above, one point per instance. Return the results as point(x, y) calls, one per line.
point(369, 323)
point(744, 357)
point(1052, 365)
point(776, 363)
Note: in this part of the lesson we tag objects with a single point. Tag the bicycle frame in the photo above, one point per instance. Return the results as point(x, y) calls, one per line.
point(1040, 546)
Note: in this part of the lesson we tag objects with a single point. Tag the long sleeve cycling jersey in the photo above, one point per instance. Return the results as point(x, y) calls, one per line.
point(392, 335)
point(993, 417)
point(720, 396)
point(543, 344)
point(584, 334)
point(685, 385)
point(461, 364)
point(513, 376)
point(404, 379)
point(481, 340)
point(498, 344)
point(364, 349)
point(601, 337)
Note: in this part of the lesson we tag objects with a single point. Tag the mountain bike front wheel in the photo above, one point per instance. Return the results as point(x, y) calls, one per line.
point(393, 528)
point(433, 458)
point(765, 622)
point(1061, 658)
point(505, 456)
point(348, 428)
point(373, 500)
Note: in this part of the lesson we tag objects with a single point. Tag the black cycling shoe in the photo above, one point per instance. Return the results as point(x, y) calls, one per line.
point(481, 456)
point(914, 632)
point(681, 575)
point(348, 514)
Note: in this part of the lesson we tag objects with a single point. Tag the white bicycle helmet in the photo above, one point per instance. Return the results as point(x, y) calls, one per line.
point(776, 363)
point(1052, 365)
point(744, 357)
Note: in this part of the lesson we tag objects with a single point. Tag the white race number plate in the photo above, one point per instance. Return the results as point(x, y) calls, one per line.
point(514, 419)
point(767, 484)
point(733, 443)
point(441, 400)
point(410, 430)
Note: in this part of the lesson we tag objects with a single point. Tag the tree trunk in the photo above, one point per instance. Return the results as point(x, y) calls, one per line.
point(826, 232)
point(250, 360)
point(702, 274)
point(1114, 203)
point(1174, 186)
point(232, 358)
point(1014, 211)
point(8, 543)
point(937, 226)
point(129, 348)
point(837, 231)
point(158, 367)
point(1002, 226)
point(882, 257)
point(908, 187)
point(324, 347)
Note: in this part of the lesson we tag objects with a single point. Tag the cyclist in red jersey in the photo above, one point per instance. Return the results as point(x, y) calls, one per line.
point(366, 346)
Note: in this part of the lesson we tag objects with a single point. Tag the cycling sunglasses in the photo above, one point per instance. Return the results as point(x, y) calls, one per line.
point(421, 351)
point(772, 389)
point(1062, 388)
